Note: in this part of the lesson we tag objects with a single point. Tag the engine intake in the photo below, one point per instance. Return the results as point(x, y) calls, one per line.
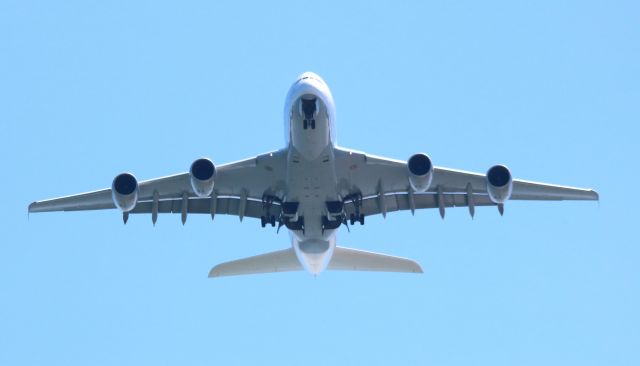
point(499, 183)
point(420, 172)
point(124, 191)
point(202, 174)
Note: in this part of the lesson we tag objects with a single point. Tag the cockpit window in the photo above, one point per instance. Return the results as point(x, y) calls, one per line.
point(312, 77)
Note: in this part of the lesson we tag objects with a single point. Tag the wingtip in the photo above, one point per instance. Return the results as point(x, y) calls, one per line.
point(213, 273)
point(418, 268)
point(36, 206)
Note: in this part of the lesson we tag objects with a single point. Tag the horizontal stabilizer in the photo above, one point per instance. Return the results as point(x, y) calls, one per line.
point(279, 261)
point(347, 259)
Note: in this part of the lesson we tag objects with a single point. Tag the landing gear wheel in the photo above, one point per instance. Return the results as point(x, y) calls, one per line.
point(313, 124)
point(273, 221)
point(352, 219)
point(361, 219)
point(305, 124)
point(263, 221)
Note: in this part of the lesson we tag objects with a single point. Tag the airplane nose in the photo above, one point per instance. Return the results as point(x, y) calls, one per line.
point(310, 75)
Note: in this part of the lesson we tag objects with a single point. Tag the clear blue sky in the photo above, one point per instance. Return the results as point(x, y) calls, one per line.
point(90, 89)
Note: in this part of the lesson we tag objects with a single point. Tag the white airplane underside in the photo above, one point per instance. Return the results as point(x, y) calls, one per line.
point(312, 187)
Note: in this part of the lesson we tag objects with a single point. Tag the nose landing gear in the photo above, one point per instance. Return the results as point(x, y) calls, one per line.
point(309, 110)
point(309, 123)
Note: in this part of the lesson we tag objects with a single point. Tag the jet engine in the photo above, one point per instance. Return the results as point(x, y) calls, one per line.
point(124, 191)
point(202, 173)
point(420, 172)
point(499, 183)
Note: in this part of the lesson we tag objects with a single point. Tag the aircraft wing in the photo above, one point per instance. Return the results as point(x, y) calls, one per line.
point(239, 190)
point(384, 186)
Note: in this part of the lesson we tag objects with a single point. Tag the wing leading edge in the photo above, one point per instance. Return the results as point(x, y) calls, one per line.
point(383, 186)
point(382, 183)
point(239, 190)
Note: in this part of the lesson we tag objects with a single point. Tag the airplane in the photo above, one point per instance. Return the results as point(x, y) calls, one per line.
point(312, 187)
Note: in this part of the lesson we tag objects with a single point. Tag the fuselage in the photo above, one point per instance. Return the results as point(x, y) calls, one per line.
point(309, 120)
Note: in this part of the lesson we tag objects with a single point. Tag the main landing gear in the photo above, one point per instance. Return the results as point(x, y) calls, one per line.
point(290, 218)
point(356, 216)
point(337, 216)
point(264, 220)
point(267, 217)
point(353, 218)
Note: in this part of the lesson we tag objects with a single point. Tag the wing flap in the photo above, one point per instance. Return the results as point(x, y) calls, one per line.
point(399, 201)
point(196, 205)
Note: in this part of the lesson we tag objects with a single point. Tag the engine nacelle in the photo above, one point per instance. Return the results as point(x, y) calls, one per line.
point(202, 174)
point(124, 191)
point(420, 172)
point(499, 183)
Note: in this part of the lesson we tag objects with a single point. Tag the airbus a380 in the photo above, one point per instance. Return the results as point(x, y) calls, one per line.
point(312, 187)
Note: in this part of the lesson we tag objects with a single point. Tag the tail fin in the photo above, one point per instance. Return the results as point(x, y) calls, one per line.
point(347, 259)
point(279, 261)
